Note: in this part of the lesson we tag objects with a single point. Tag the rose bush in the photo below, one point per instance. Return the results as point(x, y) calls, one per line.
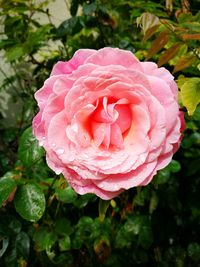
point(107, 121)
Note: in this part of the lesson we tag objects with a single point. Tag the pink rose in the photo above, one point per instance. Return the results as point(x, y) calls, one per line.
point(107, 121)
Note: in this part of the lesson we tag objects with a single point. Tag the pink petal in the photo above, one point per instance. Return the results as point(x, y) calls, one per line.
point(67, 67)
point(114, 56)
point(126, 180)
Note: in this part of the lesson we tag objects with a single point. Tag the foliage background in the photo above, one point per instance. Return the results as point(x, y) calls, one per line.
point(43, 222)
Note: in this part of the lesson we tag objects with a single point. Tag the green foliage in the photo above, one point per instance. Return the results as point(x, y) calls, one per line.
point(43, 222)
point(190, 94)
point(30, 202)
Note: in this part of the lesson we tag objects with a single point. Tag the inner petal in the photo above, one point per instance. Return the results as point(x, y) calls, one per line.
point(105, 111)
point(125, 117)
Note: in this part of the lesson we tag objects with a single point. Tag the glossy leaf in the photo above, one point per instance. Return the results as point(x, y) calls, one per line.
point(7, 186)
point(30, 202)
point(29, 150)
point(190, 94)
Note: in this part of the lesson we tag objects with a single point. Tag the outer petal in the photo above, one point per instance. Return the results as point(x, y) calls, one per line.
point(114, 56)
point(67, 67)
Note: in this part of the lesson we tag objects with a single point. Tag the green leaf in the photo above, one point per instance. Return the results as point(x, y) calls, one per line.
point(174, 166)
point(194, 251)
point(162, 177)
point(7, 185)
point(29, 150)
point(89, 9)
point(14, 53)
point(145, 236)
point(30, 202)
point(66, 195)
point(44, 239)
point(103, 206)
point(74, 7)
point(4, 245)
point(64, 243)
point(63, 227)
point(153, 202)
point(23, 245)
point(68, 27)
point(190, 94)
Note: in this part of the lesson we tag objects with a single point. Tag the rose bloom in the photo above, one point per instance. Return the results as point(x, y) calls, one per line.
point(107, 121)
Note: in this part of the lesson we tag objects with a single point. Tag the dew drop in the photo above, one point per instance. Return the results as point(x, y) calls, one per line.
point(60, 151)
point(101, 186)
point(71, 158)
point(57, 171)
point(53, 145)
point(75, 168)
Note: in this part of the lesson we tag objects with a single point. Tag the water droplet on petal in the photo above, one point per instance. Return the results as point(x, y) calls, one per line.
point(60, 151)
point(101, 186)
point(57, 171)
point(71, 158)
point(75, 168)
point(53, 145)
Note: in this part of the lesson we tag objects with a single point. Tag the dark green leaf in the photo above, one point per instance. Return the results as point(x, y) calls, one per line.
point(30, 202)
point(23, 245)
point(29, 150)
point(74, 7)
point(44, 239)
point(66, 195)
point(63, 227)
point(7, 185)
point(5, 243)
point(174, 166)
point(64, 243)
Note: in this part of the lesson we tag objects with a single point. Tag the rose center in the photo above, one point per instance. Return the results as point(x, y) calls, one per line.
point(110, 122)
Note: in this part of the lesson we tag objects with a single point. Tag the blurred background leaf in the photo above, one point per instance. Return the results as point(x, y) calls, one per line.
point(43, 222)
